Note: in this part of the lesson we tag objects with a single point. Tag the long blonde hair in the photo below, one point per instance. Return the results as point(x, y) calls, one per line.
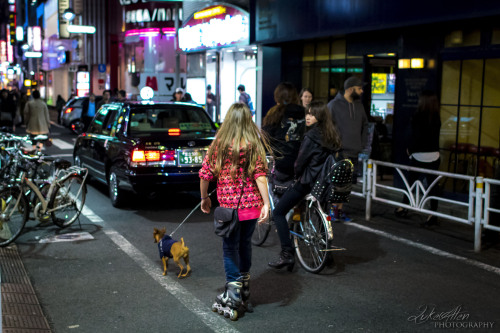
point(238, 127)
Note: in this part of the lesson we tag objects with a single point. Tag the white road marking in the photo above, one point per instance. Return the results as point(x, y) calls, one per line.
point(62, 144)
point(88, 213)
point(427, 248)
point(171, 284)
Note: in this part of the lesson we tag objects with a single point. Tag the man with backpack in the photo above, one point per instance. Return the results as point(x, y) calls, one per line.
point(245, 98)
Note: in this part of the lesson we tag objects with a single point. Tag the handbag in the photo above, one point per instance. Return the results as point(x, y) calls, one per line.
point(226, 219)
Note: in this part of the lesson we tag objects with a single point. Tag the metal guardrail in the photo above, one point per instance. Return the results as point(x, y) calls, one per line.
point(476, 206)
point(487, 204)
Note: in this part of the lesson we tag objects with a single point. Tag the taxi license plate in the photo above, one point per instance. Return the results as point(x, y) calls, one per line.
point(190, 157)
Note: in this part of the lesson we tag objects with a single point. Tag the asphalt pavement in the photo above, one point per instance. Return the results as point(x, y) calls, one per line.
point(394, 277)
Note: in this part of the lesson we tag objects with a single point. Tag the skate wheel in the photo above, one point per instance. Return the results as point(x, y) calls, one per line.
point(220, 310)
point(216, 307)
point(233, 315)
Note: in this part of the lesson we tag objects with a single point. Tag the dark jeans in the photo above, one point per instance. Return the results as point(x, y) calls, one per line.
point(413, 176)
point(237, 250)
point(287, 202)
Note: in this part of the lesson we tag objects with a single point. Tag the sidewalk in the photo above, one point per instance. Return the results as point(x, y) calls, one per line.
point(21, 311)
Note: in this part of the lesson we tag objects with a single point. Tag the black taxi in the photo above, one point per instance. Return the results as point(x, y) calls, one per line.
point(145, 146)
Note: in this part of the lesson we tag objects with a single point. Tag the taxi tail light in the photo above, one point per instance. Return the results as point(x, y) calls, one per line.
point(68, 110)
point(174, 131)
point(168, 155)
point(152, 155)
point(138, 156)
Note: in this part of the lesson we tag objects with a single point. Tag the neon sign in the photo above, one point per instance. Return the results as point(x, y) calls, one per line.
point(213, 27)
point(209, 12)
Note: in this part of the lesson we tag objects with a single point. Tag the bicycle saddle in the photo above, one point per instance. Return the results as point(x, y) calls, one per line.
point(62, 164)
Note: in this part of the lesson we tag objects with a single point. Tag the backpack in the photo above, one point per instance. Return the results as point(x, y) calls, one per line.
point(334, 182)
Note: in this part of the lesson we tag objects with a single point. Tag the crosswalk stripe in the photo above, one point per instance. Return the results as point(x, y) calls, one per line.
point(62, 144)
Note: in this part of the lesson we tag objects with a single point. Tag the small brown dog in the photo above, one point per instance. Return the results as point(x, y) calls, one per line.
point(170, 248)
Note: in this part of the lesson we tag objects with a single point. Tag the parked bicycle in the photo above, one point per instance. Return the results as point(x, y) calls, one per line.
point(62, 201)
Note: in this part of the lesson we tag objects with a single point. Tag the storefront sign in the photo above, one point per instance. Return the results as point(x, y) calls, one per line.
point(63, 24)
point(379, 83)
point(163, 84)
point(82, 83)
point(141, 15)
point(213, 27)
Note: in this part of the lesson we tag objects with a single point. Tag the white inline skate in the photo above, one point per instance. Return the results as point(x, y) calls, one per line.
point(228, 302)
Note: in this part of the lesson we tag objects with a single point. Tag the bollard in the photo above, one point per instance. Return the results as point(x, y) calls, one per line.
point(478, 214)
point(369, 190)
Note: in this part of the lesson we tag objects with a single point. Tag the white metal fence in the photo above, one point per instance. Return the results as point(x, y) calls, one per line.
point(474, 211)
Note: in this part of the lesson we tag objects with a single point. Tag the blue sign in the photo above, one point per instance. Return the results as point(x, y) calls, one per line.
point(101, 68)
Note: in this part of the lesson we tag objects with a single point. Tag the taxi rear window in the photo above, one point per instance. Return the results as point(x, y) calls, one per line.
point(154, 120)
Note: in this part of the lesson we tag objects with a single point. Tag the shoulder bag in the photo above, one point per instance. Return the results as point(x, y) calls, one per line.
point(226, 219)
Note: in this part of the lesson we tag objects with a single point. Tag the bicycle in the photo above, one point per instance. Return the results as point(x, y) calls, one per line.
point(311, 231)
point(63, 201)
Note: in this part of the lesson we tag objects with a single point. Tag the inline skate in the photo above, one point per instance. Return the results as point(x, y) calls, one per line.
point(227, 303)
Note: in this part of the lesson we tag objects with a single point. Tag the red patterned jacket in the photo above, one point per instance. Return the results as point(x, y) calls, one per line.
point(228, 191)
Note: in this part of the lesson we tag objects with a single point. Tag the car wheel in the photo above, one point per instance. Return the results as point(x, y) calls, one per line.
point(115, 194)
point(77, 127)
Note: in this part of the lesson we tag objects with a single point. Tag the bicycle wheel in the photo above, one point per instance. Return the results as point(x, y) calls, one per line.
point(310, 237)
point(67, 201)
point(14, 212)
point(261, 232)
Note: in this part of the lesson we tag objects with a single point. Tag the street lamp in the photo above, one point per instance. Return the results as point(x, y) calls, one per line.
point(69, 14)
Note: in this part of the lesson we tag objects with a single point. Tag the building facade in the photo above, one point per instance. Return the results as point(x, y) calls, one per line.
point(400, 49)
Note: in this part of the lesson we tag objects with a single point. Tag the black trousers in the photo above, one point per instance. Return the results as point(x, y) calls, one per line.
point(291, 198)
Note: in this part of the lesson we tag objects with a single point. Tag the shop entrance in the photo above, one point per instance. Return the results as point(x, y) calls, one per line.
point(380, 70)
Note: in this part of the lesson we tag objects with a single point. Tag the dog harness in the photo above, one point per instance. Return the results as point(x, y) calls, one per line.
point(165, 245)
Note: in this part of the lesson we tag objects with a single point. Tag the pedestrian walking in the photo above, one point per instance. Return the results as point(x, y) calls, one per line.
point(122, 96)
point(306, 96)
point(424, 148)
point(320, 140)
point(89, 109)
point(285, 125)
point(7, 109)
point(245, 98)
point(36, 115)
point(106, 98)
point(59, 106)
point(178, 95)
point(350, 117)
point(237, 161)
point(211, 103)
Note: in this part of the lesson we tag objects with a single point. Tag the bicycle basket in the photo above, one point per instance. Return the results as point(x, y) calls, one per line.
point(341, 181)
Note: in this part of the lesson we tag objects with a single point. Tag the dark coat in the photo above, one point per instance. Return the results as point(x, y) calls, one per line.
point(312, 155)
point(424, 133)
point(285, 140)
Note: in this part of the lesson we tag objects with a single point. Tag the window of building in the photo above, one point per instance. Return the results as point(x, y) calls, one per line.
point(462, 38)
point(470, 115)
point(325, 64)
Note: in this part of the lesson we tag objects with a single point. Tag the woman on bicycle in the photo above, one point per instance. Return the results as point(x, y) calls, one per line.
point(284, 123)
point(320, 140)
point(237, 160)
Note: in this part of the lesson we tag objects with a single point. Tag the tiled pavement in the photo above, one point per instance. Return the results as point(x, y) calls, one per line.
point(21, 311)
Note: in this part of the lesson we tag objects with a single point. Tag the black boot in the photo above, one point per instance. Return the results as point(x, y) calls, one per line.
point(286, 258)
